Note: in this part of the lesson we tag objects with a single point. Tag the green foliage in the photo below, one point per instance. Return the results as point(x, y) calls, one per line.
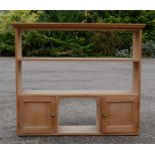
point(149, 48)
point(54, 43)
point(109, 43)
point(6, 30)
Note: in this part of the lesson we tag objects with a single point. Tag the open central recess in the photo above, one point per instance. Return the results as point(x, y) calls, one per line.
point(77, 111)
point(77, 75)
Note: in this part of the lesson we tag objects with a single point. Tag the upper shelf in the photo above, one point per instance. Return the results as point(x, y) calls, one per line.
point(79, 26)
point(75, 59)
point(74, 93)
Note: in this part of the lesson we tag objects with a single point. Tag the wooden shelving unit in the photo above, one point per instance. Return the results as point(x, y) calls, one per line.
point(118, 112)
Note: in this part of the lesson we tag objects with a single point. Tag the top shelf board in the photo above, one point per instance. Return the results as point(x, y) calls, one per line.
point(79, 26)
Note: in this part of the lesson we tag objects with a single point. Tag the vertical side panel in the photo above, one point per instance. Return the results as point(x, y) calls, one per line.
point(103, 110)
point(18, 64)
point(54, 115)
point(137, 44)
point(18, 54)
point(136, 84)
point(98, 113)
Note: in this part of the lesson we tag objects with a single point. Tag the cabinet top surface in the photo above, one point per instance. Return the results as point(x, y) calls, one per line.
point(79, 26)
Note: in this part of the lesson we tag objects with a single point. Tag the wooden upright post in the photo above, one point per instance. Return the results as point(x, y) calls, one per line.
point(137, 43)
point(136, 86)
point(18, 54)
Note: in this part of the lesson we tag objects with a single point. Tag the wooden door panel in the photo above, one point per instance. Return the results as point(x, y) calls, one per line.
point(124, 118)
point(35, 114)
point(119, 115)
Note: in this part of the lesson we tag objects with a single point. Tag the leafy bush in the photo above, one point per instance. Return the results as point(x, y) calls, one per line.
point(149, 48)
point(6, 31)
point(124, 53)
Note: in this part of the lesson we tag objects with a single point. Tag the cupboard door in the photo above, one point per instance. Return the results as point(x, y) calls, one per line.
point(37, 115)
point(119, 115)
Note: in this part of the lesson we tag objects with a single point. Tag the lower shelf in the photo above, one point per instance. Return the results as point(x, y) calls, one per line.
point(78, 130)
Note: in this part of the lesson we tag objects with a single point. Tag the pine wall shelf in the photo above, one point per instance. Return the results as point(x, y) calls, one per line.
point(117, 112)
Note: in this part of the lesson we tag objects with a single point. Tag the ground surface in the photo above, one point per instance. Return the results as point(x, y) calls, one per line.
point(76, 75)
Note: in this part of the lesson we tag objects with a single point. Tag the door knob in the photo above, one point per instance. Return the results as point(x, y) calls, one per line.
point(52, 115)
point(105, 115)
